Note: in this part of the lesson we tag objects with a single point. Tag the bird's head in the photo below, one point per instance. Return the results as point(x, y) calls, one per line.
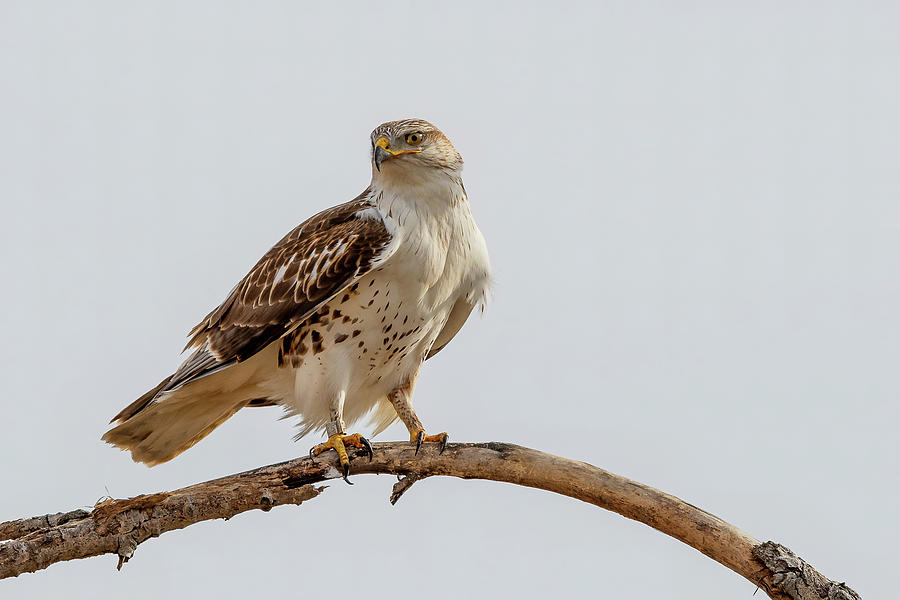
point(402, 148)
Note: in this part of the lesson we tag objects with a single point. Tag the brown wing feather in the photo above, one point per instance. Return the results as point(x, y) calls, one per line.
point(308, 267)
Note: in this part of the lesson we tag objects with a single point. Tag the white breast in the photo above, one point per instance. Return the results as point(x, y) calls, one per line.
point(439, 243)
point(389, 325)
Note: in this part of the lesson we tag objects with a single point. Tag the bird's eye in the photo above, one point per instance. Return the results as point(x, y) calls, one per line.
point(414, 139)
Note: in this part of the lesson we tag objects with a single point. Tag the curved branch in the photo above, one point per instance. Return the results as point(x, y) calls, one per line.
point(118, 526)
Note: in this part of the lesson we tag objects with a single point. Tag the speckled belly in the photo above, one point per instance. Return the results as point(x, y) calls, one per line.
point(363, 343)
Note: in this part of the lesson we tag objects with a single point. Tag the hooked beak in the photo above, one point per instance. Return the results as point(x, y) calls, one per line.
point(381, 152)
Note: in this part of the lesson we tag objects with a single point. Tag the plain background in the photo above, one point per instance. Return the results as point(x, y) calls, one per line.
point(693, 214)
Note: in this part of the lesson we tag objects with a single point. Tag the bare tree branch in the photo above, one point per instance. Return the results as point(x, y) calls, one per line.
point(118, 526)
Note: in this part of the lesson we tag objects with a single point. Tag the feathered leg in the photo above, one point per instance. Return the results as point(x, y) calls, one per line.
point(401, 400)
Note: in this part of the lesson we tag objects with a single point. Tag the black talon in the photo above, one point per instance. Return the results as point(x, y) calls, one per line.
point(347, 472)
point(311, 456)
point(419, 439)
point(368, 446)
point(444, 441)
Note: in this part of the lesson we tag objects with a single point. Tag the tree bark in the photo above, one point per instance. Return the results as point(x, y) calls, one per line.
point(118, 526)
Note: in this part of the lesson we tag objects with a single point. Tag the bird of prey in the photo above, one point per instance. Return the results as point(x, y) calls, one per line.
point(335, 321)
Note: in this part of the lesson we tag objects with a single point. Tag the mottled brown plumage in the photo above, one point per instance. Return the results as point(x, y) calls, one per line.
point(316, 260)
point(285, 287)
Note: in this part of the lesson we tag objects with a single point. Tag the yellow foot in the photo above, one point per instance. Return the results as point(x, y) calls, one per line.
point(417, 436)
point(339, 443)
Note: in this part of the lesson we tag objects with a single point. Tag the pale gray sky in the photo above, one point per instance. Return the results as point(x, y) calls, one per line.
point(693, 210)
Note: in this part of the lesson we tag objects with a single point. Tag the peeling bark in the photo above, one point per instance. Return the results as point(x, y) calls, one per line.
point(796, 578)
point(119, 526)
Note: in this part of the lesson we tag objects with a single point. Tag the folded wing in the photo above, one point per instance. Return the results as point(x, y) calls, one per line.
point(308, 267)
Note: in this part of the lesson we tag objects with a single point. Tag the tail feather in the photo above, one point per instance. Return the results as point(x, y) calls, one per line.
point(159, 431)
point(141, 403)
point(179, 412)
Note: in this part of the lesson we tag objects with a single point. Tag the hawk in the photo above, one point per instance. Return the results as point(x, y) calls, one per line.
point(334, 322)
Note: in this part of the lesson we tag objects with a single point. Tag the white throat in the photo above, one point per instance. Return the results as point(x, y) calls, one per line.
point(420, 193)
point(428, 215)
